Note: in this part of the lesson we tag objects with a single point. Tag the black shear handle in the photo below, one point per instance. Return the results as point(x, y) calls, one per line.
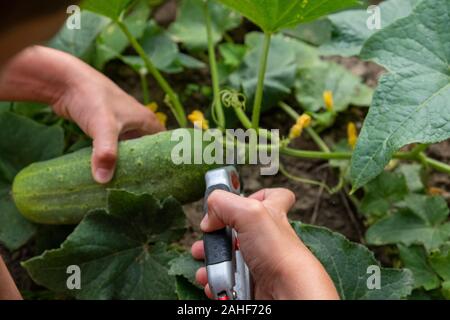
point(218, 244)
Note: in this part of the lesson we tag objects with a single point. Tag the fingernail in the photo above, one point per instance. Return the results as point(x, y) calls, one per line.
point(204, 222)
point(103, 175)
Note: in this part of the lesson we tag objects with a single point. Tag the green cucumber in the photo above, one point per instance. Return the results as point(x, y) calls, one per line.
point(62, 190)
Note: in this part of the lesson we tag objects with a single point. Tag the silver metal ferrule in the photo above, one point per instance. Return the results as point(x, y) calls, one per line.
point(221, 279)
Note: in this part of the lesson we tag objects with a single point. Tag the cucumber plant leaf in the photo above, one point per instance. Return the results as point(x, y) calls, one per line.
point(185, 265)
point(273, 15)
point(158, 45)
point(423, 222)
point(328, 76)
point(349, 29)
point(316, 32)
point(190, 27)
point(187, 291)
point(108, 8)
point(415, 259)
point(440, 261)
point(22, 142)
point(382, 193)
point(81, 42)
point(184, 268)
point(112, 40)
point(413, 175)
point(121, 252)
point(347, 264)
point(412, 102)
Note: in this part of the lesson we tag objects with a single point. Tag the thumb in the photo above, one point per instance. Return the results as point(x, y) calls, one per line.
point(228, 209)
point(104, 154)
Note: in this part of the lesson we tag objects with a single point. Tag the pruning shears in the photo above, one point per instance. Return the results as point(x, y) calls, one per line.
point(228, 275)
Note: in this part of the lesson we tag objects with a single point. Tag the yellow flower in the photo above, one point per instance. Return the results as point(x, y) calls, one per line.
point(198, 119)
point(328, 100)
point(434, 191)
point(296, 131)
point(352, 134)
point(152, 106)
point(304, 120)
point(162, 117)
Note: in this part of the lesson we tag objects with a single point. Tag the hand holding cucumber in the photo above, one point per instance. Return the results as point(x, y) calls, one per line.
point(281, 265)
point(78, 92)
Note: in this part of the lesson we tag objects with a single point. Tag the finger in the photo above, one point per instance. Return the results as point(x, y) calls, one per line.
point(104, 154)
point(208, 292)
point(198, 251)
point(227, 209)
point(143, 121)
point(201, 276)
point(278, 200)
point(258, 195)
point(129, 135)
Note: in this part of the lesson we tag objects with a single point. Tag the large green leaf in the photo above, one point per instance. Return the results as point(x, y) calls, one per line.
point(285, 56)
point(121, 253)
point(440, 261)
point(413, 175)
point(190, 26)
point(109, 8)
point(272, 15)
point(415, 259)
point(81, 42)
point(328, 76)
point(382, 193)
point(315, 33)
point(422, 222)
point(347, 263)
point(412, 103)
point(159, 46)
point(112, 40)
point(22, 142)
point(187, 291)
point(184, 268)
point(349, 28)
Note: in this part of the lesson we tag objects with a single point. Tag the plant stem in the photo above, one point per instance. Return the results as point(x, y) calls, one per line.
point(261, 77)
point(437, 165)
point(419, 149)
point(315, 154)
point(304, 180)
point(245, 121)
point(317, 139)
point(144, 85)
point(243, 118)
point(217, 104)
point(312, 133)
point(175, 105)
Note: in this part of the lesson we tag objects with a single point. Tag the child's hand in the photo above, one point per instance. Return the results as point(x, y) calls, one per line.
point(281, 265)
point(79, 93)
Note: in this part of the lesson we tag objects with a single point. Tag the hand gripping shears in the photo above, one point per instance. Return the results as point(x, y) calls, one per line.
point(228, 275)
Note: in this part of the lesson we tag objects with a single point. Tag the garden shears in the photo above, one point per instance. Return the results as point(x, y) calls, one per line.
point(228, 275)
